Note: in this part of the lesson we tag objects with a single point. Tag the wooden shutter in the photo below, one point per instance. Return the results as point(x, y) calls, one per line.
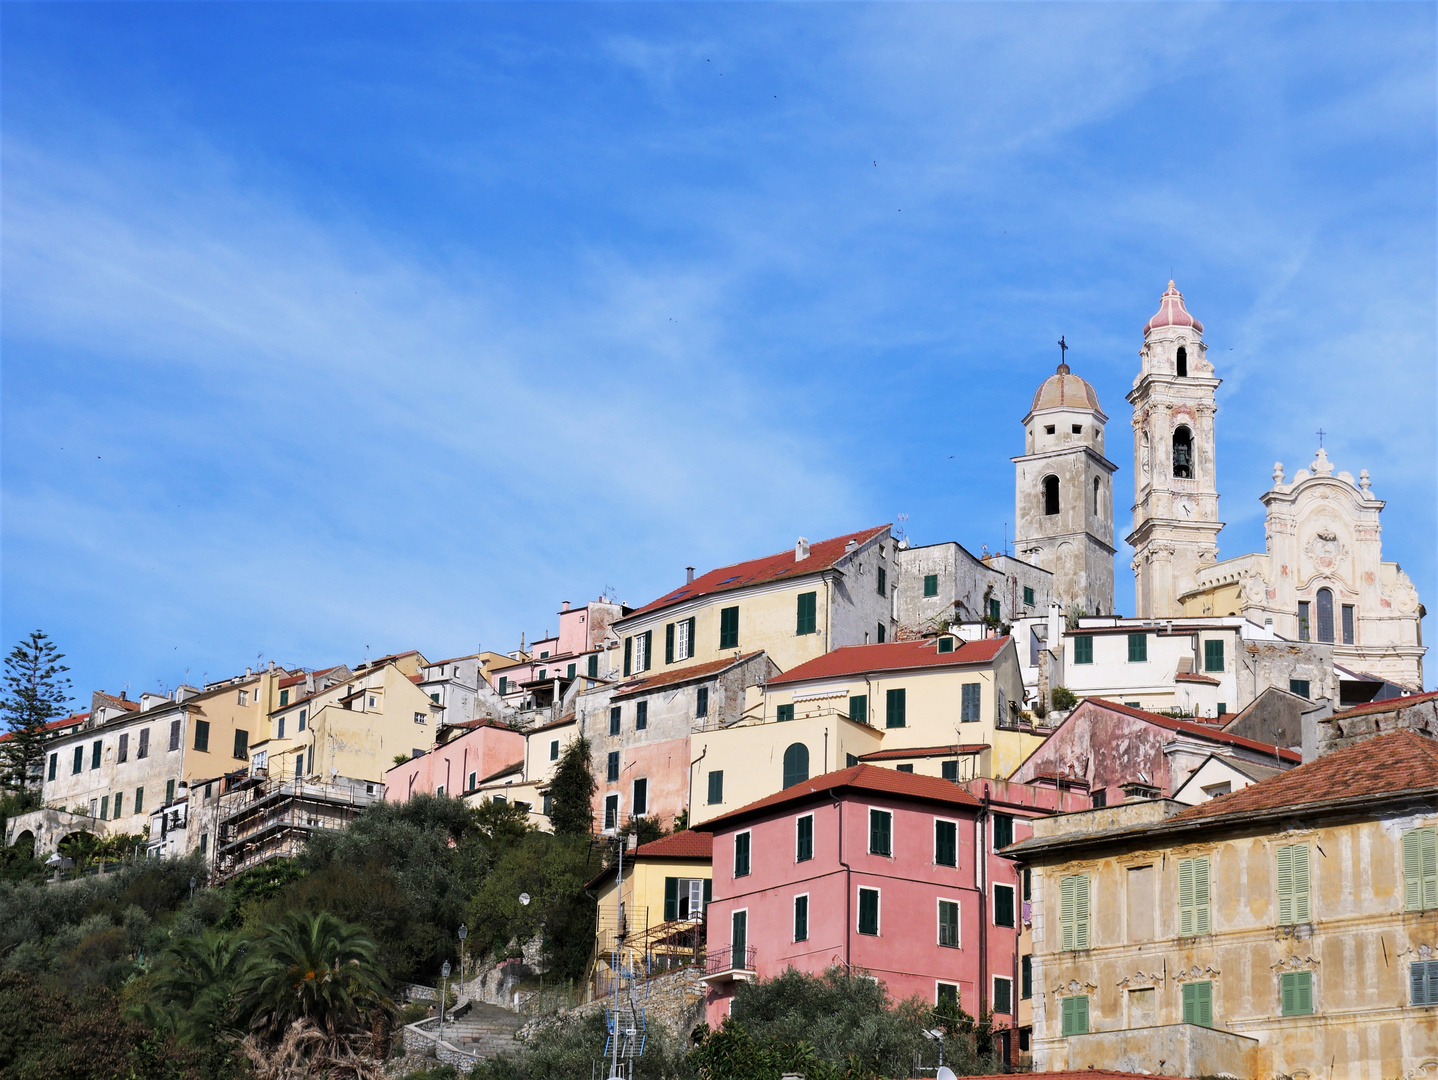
point(1198, 1004)
point(1285, 886)
point(1185, 898)
point(1428, 861)
point(1067, 919)
point(1081, 924)
point(1303, 996)
point(692, 650)
point(628, 654)
point(1417, 983)
point(708, 891)
point(669, 643)
point(1201, 922)
point(671, 899)
point(1302, 912)
point(1081, 1005)
point(648, 649)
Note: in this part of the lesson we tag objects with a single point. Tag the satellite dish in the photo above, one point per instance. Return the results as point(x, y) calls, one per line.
point(945, 1073)
point(524, 898)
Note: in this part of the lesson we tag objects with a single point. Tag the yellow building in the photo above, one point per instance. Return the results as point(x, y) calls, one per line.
point(795, 606)
point(940, 706)
point(1285, 930)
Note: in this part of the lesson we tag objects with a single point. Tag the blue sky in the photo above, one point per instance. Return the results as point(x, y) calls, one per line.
point(334, 327)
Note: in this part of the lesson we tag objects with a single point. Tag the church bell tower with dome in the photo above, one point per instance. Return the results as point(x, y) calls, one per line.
point(1063, 494)
point(1175, 511)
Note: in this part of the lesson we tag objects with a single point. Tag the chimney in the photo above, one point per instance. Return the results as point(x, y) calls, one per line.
point(124, 695)
point(801, 550)
point(564, 606)
point(852, 545)
point(689, 575)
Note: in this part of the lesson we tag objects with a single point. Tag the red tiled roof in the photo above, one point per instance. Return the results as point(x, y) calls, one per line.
point(1191, 676)
point(925, 751)
point(1384, 765)
point(688, 844)
point(516, 767)
point(55, 725)
point(561, 722)
point(1204, 731)
point(670, 678)
point(855, 778)
point(822, 556)
point(1386, 705)
point(124, 703)
point(891, 656)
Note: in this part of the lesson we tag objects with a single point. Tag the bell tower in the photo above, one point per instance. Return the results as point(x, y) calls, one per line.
point(1175, 506)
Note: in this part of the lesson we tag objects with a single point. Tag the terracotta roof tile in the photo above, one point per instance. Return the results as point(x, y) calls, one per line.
point(689, 844)
point(679, 675)
point(925, 751)
point(822, 556)
point(891, 656)
point(1386, 705)
point(561, 722)
point(516, 767)
point(1204, 731)
point(1191, 676)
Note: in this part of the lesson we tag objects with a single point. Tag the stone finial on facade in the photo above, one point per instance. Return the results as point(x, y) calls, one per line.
point(1321, 466)
point(1277, 473)
point(1363, 481)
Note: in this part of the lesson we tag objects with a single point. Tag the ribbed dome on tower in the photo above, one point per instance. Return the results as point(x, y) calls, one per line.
point(1063, 389)
point(1171, 312)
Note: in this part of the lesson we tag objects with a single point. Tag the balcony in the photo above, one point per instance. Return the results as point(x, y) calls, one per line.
point(728, 965)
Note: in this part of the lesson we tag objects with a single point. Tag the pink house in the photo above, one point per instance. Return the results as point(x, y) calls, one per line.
point(892, 873)
point(459, 765)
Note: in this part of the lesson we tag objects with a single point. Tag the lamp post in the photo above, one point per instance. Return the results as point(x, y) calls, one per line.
point(463, 933)
point(443, 997)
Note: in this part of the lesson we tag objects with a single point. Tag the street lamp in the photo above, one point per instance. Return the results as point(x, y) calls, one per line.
point(443, 997)
point(463, 933)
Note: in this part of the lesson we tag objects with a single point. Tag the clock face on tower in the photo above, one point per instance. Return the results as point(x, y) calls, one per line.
point(1185, 508)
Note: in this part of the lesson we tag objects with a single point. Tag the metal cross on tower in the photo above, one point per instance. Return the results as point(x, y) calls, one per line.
point(1063, 351)
point(1321, 433)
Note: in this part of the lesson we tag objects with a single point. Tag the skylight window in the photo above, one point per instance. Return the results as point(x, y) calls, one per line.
point(729, 579)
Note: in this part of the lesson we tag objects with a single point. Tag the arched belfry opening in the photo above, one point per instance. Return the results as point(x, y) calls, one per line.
point(1183, 453)
point(1181, 363)
point(1051, 495)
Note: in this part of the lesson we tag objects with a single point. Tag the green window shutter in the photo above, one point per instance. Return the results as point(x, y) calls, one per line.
point(692, 650)
point(594, 666)
point(1201, 922)
point(1198, 1004)
point(1285, 886)
point(1428, 857)
point(1213, 656)
point(1083, 649)
point(1081, 923)
point(1296, 993)
point(868, 911)
point(807, 618)
point(1185, 898)
point(883, 582)
point(859, 708)
point(786, 712)
point(931, 584)
point(139, 800)
point(628, 654)
point(1301, 908)
point(648, 649)
point(669, 643)
point(1081, 1012)
point(1066, 916)
point(708, 891)
point(1137, 648)
point(729, 628)
point(894, 708)
point(1028, 596)
point(671, 899)
point(946, 843)
point(1066, 1009)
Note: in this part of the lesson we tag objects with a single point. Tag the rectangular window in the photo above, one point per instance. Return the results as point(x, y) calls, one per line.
point(883, 632)
point(280, 728)
point(1423, 982)
point(473, 781)
point(801, 918)
point(611, 767)
point(741, 855)
point(614, 717)
point(640, 802)
point(1193, 920)
point(995, 612)
point(104, 807)
point(669, 643)
point(641, 715)
point(1003, 995)
point(628, 655)
point(729, 628)
point(284, 698)
point(304, 715)
point(592, 668)
point(684, 639)
point(1137, 648)
point(55, 763)
point(1083, 654)
point(949, 770)
point(1348, 624)
point(310, 767)
point(553, 749)
point(1026, 976)
point(548, 803)
point(1073, 912)
point(869, 911)
point(1303, 623)
point(1293, 896)
point(242, 744)
point(569, 672)
point(785, 713)
point(716, 787)
point(1420, 870)
point(1074, 1013)
point(972, 697)
point(907, 767)
point(804, 838)
point(946, 992)
point(883, 582)
point(1198, 1003)
point(122, 754)
point(739, 938)
point(1003, 830)
point(894, 708)
point(949, 924)
point(931, 584)
point(859, 708)
point(1004, 905)
point(1213, 656)
point(119, 801)
point(543, 677)
point(1295, 992)
point(701, 702)
point(169, 792)
point(244, 697)
point(504, 684)
point(95, 752)
point(881, 832)
point(807, 619)
point(643, 650)
point(143, 751)
point(611, 812)
point(204, 842)
point(1028, 596)
point(1301, 687)
point(139, 800)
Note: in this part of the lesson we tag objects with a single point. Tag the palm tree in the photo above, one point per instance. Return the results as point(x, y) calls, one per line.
point(315, 969)
point(193, 988)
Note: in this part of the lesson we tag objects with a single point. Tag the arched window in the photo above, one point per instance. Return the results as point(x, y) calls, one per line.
point(1183, 453)
point(1325, 615)
point(1051, 494)
point(1182, 364)
point(796, 764)
point(1095, 496)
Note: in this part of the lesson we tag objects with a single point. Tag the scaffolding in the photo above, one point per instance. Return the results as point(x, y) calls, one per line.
point(266, 818)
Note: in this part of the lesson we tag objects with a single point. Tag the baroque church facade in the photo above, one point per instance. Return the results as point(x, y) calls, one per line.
point(1322, 576)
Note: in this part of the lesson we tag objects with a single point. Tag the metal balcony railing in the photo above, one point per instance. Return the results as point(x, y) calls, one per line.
point(729, 959)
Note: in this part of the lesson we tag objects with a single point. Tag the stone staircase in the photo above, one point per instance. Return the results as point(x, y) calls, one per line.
point(484, 1030)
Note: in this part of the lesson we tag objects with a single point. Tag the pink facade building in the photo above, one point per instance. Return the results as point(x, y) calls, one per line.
point(892, 873)
point(459, 765)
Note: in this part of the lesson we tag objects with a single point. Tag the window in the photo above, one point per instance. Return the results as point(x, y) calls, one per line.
point(1420, 870)
point(611, 767)
point(669, 643)
point(640, 802)
point(784, 713)
point(881, 634)
point(907, 767)
point(701, 702)
point(807, 619)
point(1325, 614)
point(1423, 982)
point(1213, 656)
point(684, 642)
point(949, 924)
point(374, 701)
point(729, 628)
point(1028, 596)
point(946, 644)
point(143, 750)
point(1003, 830)
point(611, 812)
point(1221, 710)
point(96, 750)
point(569, 672)
point(1074, 1013)
point(104, 807)
point(543, 674)
point(883, 582)
point(593, 666)
point(1198, 1003)
point(643, 650)
point(1073, 912)
point(971, 699)
point(204, 842)
point(548, 803)
point(1004, 905)
point(122, 754)
point(641, 715)
point(553, 751)
point(1099, 798)
point(801, 918)
point(473, 781)
point(1293, 903)
point(716, 787)
point(139, 800)
point(1003, 995)
point(949, 770)
point(1078, 429)
point(1083, 648)
point(244, 697)
point(931, 584)
point(894, 708)
point(1026, 976)
point(1048, 429)
point(1193, 918)
point(1183, 453)
point(804, 838)
point(1348, 624)
point(946, 992)
point(739, 938)
point(859, 708)
point(55, 763)
point(1051, 495)
point(242, 744)
point(1300, 687)
point(881, 831)
point(439, 790)
point(1137, 648)
point(544, 655)
point(504, 683)
point(1303, 623)
point(869, 911)
point(1295, 991)
point(1180, 363)
point(304, 715)
point(169, 792)
point(741, 855)
point(310, 768)
point(796, 764)
point(119, 800)
point(1095, 496)
point(280, 728)
point(614, 716)
point(1028, 883)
